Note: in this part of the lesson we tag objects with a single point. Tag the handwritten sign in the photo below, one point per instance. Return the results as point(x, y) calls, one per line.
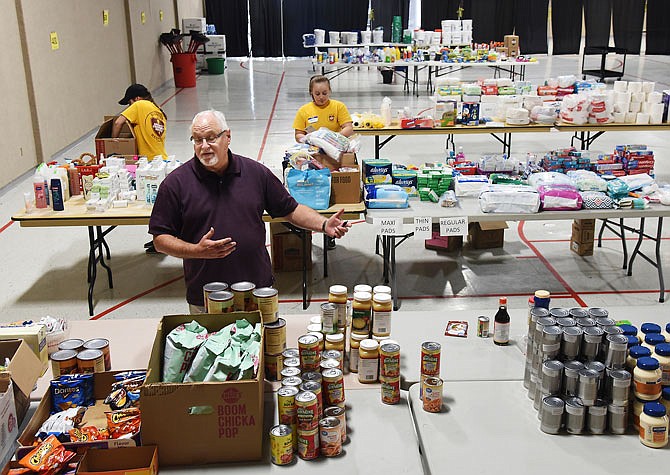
point(423, 227)
point(389, 226)
point(456, 226)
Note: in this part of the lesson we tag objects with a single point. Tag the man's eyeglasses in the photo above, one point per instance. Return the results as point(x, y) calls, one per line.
point(210, 140)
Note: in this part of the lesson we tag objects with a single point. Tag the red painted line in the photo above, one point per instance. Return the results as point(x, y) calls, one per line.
point(604, 239)
point(127, 301)
point(171, 97)
point(526, 257)
point(549, 267)
point(272, 113)
point(9, 223)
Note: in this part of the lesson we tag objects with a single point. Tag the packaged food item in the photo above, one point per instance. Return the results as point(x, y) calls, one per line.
point(60, 424)
point(72, 390)
point(457, 328)
point(180, 348)
point(48, 455)
point(123, 422)
point(88, 434)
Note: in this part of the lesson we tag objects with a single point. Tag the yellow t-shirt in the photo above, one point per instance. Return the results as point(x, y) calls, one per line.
point(149, 125)
point(312, 117)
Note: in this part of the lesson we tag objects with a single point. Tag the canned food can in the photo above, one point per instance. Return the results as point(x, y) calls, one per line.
point(483, 327)
point(340, 414)
point(266, 300)
point(220, 302)
point(330, 437)
point(329, 363)
point(243, 298)
point(430, 358)
point(332, 355)
point(308, 443)
point(293, 381)
point(210, 288)
point(101, 344)
point(281, 443)
point(63, 362)
point(273, 363)
point(290, 353)
point(309, 348)
point(312, 376)
point(314, 387)
point(290, 371)
point(306, 406)
point(390, 389)
point(329, 319)
point(275, 336)
point(389, 360)
point(90, 361)
point(333, 387)
point(75, 344)
point(291, 362)
point(432, 394)
point(286, 409)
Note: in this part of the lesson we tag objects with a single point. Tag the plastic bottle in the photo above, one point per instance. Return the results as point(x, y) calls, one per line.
point(385, 111)
point(354, 346)
point(662, 354)
point(647, 379)
point(460, 155)
point(654, 425)
point(40, 192)
point(501, 324)
point(56, 190)
point(368, 363)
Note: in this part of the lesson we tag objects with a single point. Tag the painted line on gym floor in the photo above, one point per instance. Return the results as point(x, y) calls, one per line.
point(127, 301)
point(549, 267)
point(272, 113)
point(173, 95)
point(9, 223)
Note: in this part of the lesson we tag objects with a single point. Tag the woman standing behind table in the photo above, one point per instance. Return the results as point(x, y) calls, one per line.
point(322, 112)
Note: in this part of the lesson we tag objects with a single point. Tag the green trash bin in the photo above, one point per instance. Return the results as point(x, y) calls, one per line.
point(216, 65)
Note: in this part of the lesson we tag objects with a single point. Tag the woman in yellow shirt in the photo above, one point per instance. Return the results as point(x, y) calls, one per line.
point(322, 112)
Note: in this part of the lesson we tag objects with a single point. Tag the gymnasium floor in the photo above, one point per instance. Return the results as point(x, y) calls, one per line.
point(44, 269)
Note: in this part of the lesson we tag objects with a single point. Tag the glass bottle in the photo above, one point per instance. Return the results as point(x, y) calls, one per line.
point(501, 324)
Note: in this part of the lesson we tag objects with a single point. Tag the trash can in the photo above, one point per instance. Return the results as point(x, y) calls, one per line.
point(183, 65)
point(216, 65)
point(387, 76)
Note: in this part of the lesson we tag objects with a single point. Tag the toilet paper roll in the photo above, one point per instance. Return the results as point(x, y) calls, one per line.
point(620, 96)
point(635, 86)
point(648, 86)
point(638, 97)
point(657, 109)
point(642, 118)
point(621, 107)
point(619, 117)
point(620, 86)
point(646, 107)
point(634, 107)
point(654, 97)
point(655, 118)
point(630, 117)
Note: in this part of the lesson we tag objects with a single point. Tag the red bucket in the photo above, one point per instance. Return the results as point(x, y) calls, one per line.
point(183, 65)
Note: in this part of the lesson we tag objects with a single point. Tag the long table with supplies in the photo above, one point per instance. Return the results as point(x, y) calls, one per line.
point(138, 214)
point(468, 207)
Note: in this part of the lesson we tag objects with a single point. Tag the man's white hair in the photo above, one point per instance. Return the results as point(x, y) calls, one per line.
point(218, 115)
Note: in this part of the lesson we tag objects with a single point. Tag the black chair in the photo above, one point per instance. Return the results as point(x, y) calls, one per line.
point(602, 73)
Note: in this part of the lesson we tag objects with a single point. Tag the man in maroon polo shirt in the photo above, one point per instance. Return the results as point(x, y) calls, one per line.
point(209, 212)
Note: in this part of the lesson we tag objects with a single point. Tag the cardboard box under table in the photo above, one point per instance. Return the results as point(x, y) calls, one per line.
point(487, 234)
point(24, 370)
point(201, 423)
point(125, 144)
point(286, 249)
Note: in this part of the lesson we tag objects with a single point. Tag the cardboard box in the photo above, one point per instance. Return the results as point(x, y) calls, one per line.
point(35, 337)
point(582, 249)
point(582, 235)
point(585, 224)
point(196, 24)
point(95, 415)
point(228, 425)
point(511, 40)
point(487, 235)
point(345, 186)
point(24, 370)
point(9, 426)
point(216, 43)
point(444, 243)
point(126, 461)
point(125, 144)
point(286, 249)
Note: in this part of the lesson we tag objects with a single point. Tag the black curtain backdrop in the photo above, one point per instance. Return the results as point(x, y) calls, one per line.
point(531, 25)
point(491, 19)
point(658, 30)
point(303, 16)
point(434, 11)
point(385, 10)
point(265, 28)
point(230, 18)
point(566, 26)
point(627, 19)
point(597, 18)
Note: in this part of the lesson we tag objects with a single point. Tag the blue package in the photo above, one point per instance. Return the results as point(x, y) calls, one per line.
point(71, 390)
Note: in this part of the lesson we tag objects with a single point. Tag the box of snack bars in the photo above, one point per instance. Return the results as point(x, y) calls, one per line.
point(217, 415)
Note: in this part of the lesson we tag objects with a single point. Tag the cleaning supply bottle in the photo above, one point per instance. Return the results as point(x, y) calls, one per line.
point(56, 190)
point(40, 192)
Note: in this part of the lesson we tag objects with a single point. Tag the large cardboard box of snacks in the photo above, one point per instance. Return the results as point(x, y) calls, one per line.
point(125, 144)
point(95, 416)
point(34, 335)
point(9, 426)
point(24, 369)
point(487, 234)
point(286, 249)
point(125, 461)
point(201, 423)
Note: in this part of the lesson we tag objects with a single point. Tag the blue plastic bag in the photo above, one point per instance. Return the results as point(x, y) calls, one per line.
point(310, 187)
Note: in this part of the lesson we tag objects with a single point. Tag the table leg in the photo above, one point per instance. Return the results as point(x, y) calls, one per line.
point(100, 238)
point(394, 280)
point(620, 233)
point(377, 147)
point(657, 263)
point(325, 255)
point(303, 237)
point(96, 254)
point(636, 251)
point(92, 268)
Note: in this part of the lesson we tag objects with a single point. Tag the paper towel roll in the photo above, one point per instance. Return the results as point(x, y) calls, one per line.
point(620, 86)
point(320, 36)
point(657, 108)
point(334, 37)
point(648, 86)
point(630, 117)
point(655, 118)
point(638, 97)
point(619, 117)
point(646, 107)
point(654, 97)
point(621, 107)
point(635, 107)
point(635, 86)
point(622, 96)
point(642, 118)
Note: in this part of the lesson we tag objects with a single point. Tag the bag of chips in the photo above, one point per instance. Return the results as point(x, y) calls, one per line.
point(180, 348)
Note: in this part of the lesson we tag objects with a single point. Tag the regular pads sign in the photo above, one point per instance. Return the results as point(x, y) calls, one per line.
point(457, 226)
